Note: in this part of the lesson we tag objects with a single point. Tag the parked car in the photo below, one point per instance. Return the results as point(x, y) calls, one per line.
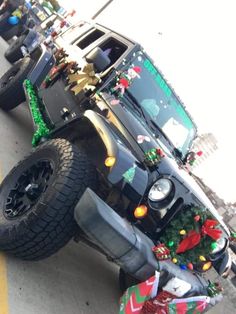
point(112, 139)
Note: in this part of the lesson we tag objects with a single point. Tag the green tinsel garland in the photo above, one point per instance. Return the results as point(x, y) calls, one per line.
point(42, 128)
point(185, 221)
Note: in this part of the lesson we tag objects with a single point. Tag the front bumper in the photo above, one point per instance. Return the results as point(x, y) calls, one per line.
point(126, 245)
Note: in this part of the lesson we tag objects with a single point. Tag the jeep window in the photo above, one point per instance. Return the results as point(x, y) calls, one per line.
point(113, 48)
point(154, 95)
point(90, 38)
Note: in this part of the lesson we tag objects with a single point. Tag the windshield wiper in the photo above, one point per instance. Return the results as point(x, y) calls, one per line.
point(131, 99)
point(152, 124)
point(163, 134)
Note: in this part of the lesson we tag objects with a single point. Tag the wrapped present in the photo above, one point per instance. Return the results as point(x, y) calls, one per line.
point(146, 298)
point(134, 298)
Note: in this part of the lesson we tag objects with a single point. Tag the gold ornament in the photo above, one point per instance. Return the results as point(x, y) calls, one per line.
point(182, 232)
point(202, 258)
point(83, 78)
point(174, 260)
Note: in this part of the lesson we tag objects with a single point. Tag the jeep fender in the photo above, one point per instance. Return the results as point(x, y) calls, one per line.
point(125, 160)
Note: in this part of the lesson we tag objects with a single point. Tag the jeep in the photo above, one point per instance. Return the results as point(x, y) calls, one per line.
point(111, 143)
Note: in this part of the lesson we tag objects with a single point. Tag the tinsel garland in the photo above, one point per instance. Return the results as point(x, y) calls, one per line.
point(42, 128)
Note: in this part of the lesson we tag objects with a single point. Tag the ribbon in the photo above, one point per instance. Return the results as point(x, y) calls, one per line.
point(193, 238)
point(83, 78)
point(208, 229)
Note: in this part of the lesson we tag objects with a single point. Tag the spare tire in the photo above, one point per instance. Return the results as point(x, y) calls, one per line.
point(37, 199)
point(13, 52)
point(11, 84)
point(11, 32)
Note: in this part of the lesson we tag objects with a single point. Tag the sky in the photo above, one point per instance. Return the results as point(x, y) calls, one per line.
point(192, 42)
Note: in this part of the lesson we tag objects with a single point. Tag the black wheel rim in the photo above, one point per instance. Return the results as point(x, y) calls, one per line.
point(28, 188)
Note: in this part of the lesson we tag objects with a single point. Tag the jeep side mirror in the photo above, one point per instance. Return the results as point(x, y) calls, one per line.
point(99, 59)
point(189, 158)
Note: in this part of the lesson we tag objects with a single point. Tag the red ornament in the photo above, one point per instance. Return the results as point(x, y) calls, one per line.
point(190, 266)
point(124, 82)
point(137, 69)
point(197, 218)
point(199, 153)
point(160, 152)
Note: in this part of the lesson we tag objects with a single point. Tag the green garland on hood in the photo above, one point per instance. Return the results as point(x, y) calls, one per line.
point(42, 128)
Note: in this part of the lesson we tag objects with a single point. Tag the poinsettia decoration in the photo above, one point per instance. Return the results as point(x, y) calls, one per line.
point(191, 237)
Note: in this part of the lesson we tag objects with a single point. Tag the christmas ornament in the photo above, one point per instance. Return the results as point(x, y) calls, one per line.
point(206, 266)
point(161, 252)
point(129, 174)
point(182, 232)
point(182, 266)
point(170, 243)
point(199, 153)
point(202, 258)
point(42, 129)
point(213, 245)
point(85, 78)
point(174, 260)
point(197, 218)
point(153, 156)
point(190, 266)
point(142, 138)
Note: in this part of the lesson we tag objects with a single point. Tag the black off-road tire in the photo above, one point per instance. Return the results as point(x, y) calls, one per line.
point(13, 52)
point(49, 224)
point(11, 84)
point(15, 30)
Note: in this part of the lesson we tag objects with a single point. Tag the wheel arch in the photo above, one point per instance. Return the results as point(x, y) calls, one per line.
point(96, 137)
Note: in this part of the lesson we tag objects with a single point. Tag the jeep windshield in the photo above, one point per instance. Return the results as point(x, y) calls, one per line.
point(155, 97)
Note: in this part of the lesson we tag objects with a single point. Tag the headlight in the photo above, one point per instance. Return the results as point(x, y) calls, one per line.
point(220, 244)
point(160, 190)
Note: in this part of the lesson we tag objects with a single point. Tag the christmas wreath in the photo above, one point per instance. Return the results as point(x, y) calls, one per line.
point(190, 238)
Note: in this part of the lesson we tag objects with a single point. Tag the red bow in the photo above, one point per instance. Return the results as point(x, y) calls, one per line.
point(208, 228)
point(193, 238)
